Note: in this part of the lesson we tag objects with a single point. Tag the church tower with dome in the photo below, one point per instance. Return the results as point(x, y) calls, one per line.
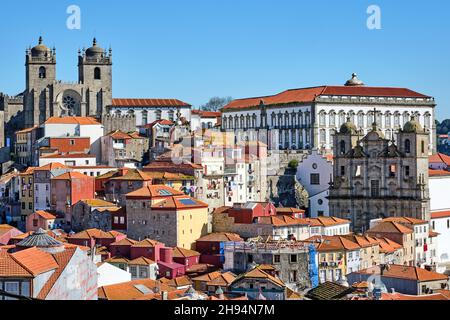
point(375, 177)
point(46, 97)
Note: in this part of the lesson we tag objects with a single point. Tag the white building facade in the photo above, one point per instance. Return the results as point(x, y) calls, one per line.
point(149, 110)
point(306, 118)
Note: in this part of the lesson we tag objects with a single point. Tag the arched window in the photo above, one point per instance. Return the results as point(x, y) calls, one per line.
point(42, 73)
point(97, 73)
point(407, 146)
point(342, 147)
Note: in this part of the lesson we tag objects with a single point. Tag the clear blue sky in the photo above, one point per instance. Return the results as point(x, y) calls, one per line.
point(192, 50)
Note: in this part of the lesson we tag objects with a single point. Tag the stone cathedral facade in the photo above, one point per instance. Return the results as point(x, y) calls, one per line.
point(45, 96)
point(375, 177)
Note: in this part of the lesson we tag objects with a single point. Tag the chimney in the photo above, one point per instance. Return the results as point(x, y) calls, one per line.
point(164, 295)
point(393, 290)
point(166, 255)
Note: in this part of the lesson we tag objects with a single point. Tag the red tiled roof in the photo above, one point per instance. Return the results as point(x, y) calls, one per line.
point(389, 227)
point(72, 175)
point(68, 156)
point(435, 173)
point(406, 272)
point(73, 120)
point(440, 214)
point(153, 191)
point(51, 166)
point(184, 253)
point(35, 261)
point(124, 135)
point(148, 103)
point(62, 259)
point(439, 158)
point(221, 237)
point(206, 114)
point(308, 95)
point(45, 214)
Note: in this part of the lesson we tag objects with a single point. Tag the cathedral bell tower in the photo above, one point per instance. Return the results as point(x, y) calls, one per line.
point(95, 72)
point(40, 66)
point(413, 143)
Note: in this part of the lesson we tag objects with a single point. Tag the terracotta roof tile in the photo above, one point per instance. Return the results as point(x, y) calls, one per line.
point(152, 191)
point(389, 227)
point(309, 95)
point(123, 102)
point(62, 259)
point(147, 243)
point(436, 173)
point(73, 120)
point(439, 158)
point(223, 280)
point(35, 260)
point(72, 175)
point(184, 253)
point(45, 214)
point(256, 273)
point(221, 237)
point(131, 290)
point(440, 214)
point(142, 261)
point(406, 272)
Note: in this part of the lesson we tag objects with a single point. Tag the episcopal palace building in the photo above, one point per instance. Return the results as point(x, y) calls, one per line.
point(306, 118)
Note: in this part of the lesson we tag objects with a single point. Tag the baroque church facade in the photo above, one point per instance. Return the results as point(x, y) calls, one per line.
point(46, 97)
point(375, 177)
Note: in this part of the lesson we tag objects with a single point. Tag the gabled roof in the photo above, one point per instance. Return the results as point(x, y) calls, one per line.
point(45, 214)
point(207, 277)
point(177, 282)
point(72, 120)
point(72, 175)
point(221, 237)
point(439, 158)
point(51, 166)
point(223, 280)
point(406, 272)
point(154, 191)
point(133, 175)
point(124, 242)
point(389, 227)
point(146, 243)
point(120, 135)
point(124, 102)
point(184, 253)
point(95, 233)
point(179, 202)
point(141, 261)
point(35, 261)
point(132, 290)
point(257, 273)
point(325, 221)
point(62, 259)
point(282, 220)
point(406, 220)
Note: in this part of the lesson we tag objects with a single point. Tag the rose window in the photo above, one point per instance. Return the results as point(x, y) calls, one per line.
point(69, 102)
